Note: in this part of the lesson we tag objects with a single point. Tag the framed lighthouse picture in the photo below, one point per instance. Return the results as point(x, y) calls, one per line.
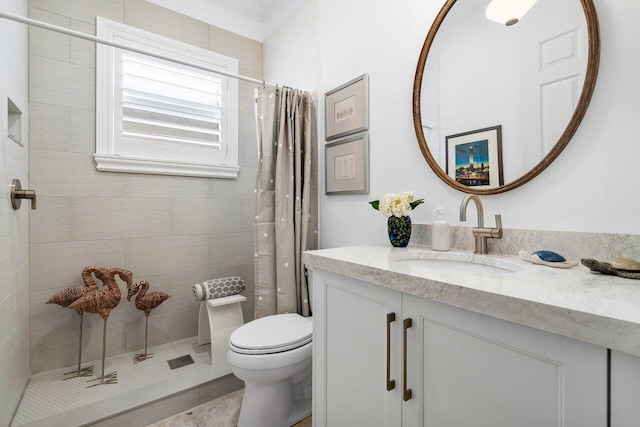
point(474, 158)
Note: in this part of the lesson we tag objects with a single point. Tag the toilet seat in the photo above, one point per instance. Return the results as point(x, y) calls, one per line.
point(272, 334)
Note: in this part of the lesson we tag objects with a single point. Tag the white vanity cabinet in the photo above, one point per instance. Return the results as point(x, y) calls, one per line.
point(463, 368)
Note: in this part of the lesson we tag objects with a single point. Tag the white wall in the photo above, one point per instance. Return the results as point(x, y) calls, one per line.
point(590, 187)
point(291, 55)
point(14, 224)
point(245, 18)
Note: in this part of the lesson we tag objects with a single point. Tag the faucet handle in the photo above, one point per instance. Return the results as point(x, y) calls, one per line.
point(496, 232)
point(17, 194)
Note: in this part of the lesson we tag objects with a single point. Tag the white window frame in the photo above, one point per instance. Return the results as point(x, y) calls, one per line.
point(108, 120)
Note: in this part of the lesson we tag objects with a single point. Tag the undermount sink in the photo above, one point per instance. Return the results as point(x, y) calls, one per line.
point(454, 262)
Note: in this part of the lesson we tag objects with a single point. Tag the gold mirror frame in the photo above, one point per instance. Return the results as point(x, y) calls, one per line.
point(587, 90)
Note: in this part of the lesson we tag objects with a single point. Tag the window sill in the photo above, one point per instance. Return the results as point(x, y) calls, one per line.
point(109, 163)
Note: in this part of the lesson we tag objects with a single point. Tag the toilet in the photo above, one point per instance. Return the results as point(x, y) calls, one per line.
point(272, 355)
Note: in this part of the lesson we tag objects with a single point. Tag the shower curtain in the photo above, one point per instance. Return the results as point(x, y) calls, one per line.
point(285, 200)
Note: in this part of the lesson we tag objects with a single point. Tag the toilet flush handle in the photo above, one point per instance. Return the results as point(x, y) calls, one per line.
point(17, 194)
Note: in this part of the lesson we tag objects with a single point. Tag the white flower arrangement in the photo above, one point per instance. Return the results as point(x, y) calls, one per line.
point(398, 205)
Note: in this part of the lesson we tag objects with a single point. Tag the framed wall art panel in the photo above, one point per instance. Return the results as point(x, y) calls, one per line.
point(346, 108)
point(347, 166)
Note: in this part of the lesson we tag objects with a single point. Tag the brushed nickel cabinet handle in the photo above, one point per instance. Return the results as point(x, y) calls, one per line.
point(391, 384)
point(406, 392)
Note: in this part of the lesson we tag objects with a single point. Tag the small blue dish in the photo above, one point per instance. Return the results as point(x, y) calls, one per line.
point(549, 256)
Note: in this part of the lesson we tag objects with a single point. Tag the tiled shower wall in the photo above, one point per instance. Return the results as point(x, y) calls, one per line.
point(14, 224)
point(171, 231)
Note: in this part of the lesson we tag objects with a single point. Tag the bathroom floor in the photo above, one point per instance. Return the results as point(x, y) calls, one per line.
point(220, 412)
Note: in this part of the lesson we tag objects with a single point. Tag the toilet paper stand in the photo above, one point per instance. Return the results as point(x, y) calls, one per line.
point(218, 318)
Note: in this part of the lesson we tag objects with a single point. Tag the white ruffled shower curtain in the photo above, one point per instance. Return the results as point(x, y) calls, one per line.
point(286, 200)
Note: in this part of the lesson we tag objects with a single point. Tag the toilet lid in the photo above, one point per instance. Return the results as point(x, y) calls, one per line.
point(272, 334)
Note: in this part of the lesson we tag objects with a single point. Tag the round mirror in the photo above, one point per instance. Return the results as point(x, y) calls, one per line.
point(498, 94)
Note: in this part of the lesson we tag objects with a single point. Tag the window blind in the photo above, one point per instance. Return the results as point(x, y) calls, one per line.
point(166, 103)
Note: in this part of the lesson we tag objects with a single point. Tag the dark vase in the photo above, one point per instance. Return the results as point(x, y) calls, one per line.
point(399, 230)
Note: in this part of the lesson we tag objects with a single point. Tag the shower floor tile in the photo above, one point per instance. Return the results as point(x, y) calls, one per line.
point(50, 401)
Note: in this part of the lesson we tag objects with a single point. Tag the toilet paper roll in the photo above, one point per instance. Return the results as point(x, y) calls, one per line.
point(218, 288)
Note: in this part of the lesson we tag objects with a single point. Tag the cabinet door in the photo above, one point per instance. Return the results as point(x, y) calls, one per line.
point(470, 369)
point(625, 390)
point(350, 353)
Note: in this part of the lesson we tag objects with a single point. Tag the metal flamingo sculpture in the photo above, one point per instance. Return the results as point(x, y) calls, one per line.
point(102, 301)
point(145, 302)
point(68, 296)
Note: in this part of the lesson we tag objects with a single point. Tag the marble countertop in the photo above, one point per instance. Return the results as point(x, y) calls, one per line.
point(600, 309)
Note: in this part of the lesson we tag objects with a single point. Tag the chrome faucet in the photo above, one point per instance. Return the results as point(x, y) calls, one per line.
point(481, 233)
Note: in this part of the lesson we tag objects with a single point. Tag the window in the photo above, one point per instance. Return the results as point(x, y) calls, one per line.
point(160, 117)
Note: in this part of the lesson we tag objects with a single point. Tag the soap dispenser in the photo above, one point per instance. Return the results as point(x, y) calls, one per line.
point(440, 232)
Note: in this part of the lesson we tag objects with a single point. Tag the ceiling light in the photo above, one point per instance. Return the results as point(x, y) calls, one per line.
point(508, 12)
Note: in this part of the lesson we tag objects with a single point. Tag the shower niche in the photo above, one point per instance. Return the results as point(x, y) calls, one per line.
point(14, 119)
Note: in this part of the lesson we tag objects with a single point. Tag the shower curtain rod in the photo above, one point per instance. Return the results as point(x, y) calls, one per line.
point(95, 39)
